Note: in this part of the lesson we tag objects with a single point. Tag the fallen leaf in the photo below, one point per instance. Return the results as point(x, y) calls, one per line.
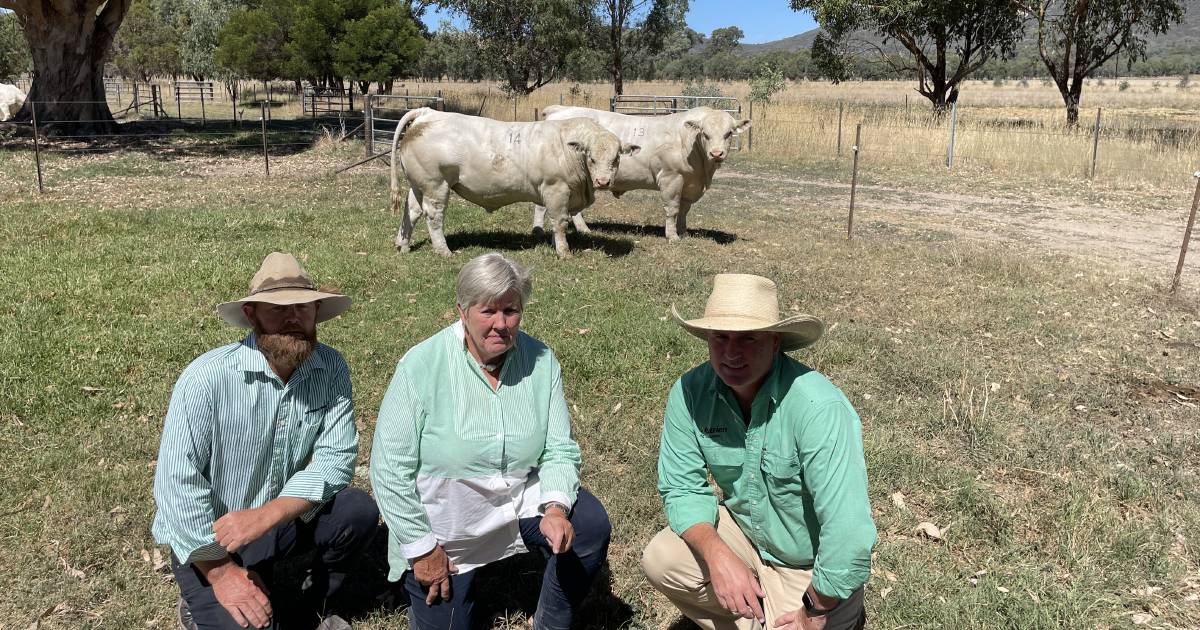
point(584, 331)
point(1142, 617)
point(71, 571)
point(46, 503)
point(160, 564)
point(898, 500)
point(1001, 589)
point(929, 530)
point(885, 592)
point(118, 514)
point(146, 556)
point(91, 390)
point(616, 408)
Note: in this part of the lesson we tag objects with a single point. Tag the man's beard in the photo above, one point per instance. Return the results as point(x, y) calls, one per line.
point(287, 351)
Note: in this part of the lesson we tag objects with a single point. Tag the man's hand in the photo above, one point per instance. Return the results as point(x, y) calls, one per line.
point(433, 571)
point(241, 592)
point(736, 587)
point(238, 529)
point(799, 620)
point(557, 529)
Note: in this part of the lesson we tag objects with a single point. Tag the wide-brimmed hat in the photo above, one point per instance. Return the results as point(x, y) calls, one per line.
point(281, 280)
point(743, 302)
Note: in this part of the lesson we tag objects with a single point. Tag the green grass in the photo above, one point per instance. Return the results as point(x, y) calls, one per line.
point(1073, 488)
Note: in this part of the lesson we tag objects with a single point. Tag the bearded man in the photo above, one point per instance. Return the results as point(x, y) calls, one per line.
point(257, 454)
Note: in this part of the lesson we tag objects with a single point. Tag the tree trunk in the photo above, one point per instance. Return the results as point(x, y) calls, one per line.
point(68, 50)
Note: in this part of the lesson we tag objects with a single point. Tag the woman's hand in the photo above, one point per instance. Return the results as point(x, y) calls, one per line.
point(557, 529)
point(433, 571)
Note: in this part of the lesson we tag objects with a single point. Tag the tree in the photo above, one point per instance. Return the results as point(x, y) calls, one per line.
point(14, 53)
point(253, 42)
point(946, 40)
point(765, 84)
point(1076, 37)
point(147, 44)
point(68, 43)
point(526, 41)
point(316, 28)
point(383, 44)
point(451, 53)
point(637, 27)
point(724, 40)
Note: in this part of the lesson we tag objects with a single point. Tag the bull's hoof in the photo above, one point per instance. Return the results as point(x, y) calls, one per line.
point(564, 255)
point(583, 230)
point(403, 248)
point(538, 231)
point(673, 238)
point(444, 253)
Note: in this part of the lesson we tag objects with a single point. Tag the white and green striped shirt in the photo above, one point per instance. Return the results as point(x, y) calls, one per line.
point(457, 463)
point(237, 437)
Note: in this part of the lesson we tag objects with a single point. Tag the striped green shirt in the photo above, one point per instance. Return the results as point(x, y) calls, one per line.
point(794, 479)
point(237, 437)
point(457, 463)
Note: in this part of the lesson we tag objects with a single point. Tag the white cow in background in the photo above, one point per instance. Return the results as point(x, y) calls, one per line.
point(11, 99)
point(556, 164)
point(680, 153)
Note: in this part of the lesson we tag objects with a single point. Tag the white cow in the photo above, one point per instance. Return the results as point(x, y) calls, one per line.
point(556, 164)
point(11, 99)
point(680, 153)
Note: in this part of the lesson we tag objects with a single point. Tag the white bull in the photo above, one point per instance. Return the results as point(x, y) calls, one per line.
point(11, 99)
point(555, 164)
point(680, 153)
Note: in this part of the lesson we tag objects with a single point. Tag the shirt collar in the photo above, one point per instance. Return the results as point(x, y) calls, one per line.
point(460, 334)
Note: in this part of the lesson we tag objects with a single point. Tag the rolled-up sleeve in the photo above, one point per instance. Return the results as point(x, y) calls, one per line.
point(395, 460)
point(835, 472)
point(334, 452)
point(182, 491)
point(682, 477)
point(558, 467)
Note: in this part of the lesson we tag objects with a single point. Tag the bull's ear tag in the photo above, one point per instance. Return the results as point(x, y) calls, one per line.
point(691, 124)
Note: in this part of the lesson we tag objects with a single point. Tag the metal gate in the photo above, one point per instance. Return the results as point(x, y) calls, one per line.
point(193, 91)
point(383, 111)
point(655, 105)
point(321, 101)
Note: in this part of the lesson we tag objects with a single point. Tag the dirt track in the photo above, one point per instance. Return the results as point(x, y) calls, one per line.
point(1113, 237)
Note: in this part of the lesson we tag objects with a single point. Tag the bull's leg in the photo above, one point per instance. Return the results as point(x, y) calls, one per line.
point(671, 225)
point(412, 205)
point(558, 214)
point(681, 218)
point(580, 226)
point(539, 219)
point(434, 206)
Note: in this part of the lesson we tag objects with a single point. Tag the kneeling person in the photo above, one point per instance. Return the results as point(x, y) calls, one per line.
point(256, 456)
point(473, 460)
point(790, 544)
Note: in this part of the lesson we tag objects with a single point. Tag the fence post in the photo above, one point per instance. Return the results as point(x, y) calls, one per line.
point(137, 104)
point(37, 145)
point(368, 126)
point(840, 106)
point(514, 99)
point(203, 114)
point(953, 124)
point(178, 109)
point(1187, 233)
point(234, 102)
point(535, 114)
point(266, 158)
point(1095, 145)
point(853, 181)
point(750, 133)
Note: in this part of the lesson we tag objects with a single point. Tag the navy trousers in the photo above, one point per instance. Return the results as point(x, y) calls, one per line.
point(342, 528)
point(565, 584)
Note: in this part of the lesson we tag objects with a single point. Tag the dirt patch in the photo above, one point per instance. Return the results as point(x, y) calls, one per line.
point(1114, 237)
point(1163, 393)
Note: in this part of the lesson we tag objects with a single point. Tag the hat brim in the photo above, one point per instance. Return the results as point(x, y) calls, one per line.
point(795, 332)
point(332, 304)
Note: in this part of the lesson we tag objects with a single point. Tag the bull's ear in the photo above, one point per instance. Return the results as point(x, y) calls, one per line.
point(578, 146)
point(742, 125)
point(630, 149)
point(692, 125)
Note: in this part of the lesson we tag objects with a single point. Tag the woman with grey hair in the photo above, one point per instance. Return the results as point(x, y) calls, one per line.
point(473, 460)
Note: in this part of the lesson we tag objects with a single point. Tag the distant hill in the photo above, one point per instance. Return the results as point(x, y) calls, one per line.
point(1185, 36)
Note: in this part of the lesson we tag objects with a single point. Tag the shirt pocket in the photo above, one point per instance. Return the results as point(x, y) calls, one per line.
point(782, 475)
point(725, 466)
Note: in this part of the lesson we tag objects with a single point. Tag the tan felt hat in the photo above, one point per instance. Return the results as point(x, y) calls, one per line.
point(742, 302)
point(281, 280)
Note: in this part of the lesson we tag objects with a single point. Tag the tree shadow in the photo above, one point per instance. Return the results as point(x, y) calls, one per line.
point(717, 236)
point(516, 241)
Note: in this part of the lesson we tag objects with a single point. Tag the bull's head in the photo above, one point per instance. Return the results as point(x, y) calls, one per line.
point(600, 149)
point(711, 131)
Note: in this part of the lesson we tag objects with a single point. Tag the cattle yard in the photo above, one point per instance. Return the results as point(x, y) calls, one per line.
point(1027, 384)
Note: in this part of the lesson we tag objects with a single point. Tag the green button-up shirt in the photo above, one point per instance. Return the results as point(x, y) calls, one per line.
point(457, 463)
point(794, 478)
point(237, 437)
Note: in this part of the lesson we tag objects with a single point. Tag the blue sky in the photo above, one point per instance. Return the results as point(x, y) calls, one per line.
point(761, 20)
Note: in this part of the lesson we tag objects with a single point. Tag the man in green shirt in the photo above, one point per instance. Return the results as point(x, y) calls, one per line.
point(789, 543)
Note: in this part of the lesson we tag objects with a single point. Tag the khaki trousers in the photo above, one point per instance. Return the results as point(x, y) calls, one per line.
point(677, 572)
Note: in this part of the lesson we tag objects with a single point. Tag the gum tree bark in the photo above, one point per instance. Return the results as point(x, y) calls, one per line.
point(69, 41)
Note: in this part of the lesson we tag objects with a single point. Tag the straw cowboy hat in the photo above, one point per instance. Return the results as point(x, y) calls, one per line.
point(742, 302)
point(281, 280)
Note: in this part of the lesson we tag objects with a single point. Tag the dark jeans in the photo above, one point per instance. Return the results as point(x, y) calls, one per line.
point(565, 584)
point(342, 528)
point(849, 614)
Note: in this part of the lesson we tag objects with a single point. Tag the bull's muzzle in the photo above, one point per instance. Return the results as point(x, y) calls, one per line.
point(717, 156)
point(602, 182)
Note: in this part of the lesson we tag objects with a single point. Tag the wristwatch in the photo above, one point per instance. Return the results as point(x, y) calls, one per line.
point(810, 606)
point(549, 504)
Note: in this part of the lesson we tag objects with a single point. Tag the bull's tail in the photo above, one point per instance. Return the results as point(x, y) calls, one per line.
point(398, 195)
